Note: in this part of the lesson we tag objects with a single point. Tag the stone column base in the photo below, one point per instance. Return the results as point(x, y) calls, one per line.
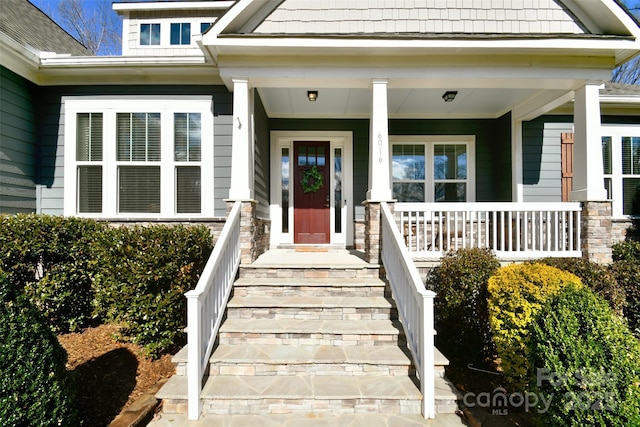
point(251, 245)
point(373, 230)
point(596, 230)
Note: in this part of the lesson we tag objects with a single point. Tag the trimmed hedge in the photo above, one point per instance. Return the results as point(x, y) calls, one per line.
point(79, 271)
point(596, 277)
point(626, 269)
point(626, 251)
point(462, 317)
point(588, 363)
point(517, 293)
point(53, 260)
point(35, 387)
point(145, 274)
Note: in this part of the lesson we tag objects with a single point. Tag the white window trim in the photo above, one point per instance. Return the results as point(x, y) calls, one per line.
point(110, 106)
point(429, 141)
point(616, 132)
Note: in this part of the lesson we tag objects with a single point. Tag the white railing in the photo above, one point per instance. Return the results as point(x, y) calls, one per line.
point(511, 230)
point(206, 305)
point(415, 306)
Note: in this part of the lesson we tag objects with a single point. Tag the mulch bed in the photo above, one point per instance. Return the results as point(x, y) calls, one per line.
point(110, 374)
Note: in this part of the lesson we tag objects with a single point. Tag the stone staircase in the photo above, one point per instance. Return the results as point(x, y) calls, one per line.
point(310, 342)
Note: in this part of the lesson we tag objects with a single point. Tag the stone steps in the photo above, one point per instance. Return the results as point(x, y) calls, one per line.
point(309, 341)
point(310, 308)
point(313, 287)
point(310, 332)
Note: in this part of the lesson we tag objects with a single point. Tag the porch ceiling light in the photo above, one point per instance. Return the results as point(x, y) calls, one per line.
point(312, 95)
point(449, 95)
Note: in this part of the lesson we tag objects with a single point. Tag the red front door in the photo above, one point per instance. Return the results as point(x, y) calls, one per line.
point(311, 192)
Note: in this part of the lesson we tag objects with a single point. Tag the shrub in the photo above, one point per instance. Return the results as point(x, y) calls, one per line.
point(594, 276)
point(627, 273)
point(35, 388)
point(626, 251)
point(588, 361)
point(461, 304)
point(53, 260)
point(145, 274)
point(516, 294)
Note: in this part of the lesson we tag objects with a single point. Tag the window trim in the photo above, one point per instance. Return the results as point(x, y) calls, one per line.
point(429, 141)
point(167, 106)
point(617, 132)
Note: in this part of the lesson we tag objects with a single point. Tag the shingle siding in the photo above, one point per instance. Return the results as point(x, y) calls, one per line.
point(420, 16)
point(17, 144)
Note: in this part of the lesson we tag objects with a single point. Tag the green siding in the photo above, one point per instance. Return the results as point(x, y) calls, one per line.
point(17, 144)
point(50, 115)
point(261, 160)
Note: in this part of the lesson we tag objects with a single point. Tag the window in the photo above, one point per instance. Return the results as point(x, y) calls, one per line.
point(89, 158)
point(429, 168)
point(180, 33)
point(621, 167)
point(149, 34)
point(136, 157)
point(204, 26)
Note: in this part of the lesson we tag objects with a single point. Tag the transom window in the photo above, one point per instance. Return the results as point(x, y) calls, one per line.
point(180, 33)
point(149, 34)
point(428, 168)
point(621, 161)
point(139, 157)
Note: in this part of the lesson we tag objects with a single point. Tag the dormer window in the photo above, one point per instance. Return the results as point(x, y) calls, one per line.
point(149, 34)
point(181, 33)
point(204, 26)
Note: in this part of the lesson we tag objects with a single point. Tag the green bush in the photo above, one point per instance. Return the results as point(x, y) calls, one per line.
point(594, 276)
point(462, 318)
point(53, 260)
point(145, 274)
point(626, 251)
point(627, 273)
point(35, 388)
point(588, 363)
point(516, 295)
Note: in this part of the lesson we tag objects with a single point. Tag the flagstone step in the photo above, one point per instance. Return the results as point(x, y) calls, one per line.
point(229, 394)
point(314, 287)
point(309, 420)
point(311, 332)
point(305, 271)
point(309, 360)
point(311, 308)
point(287, 360)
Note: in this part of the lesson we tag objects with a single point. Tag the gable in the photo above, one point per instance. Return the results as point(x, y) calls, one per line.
point(420, 16)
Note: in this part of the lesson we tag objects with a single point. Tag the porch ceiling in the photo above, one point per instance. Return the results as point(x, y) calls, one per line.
point(402, 102)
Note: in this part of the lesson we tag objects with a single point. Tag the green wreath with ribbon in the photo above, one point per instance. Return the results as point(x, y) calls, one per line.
point(311, 180)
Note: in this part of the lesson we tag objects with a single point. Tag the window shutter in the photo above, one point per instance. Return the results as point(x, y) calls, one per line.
point(567, 165)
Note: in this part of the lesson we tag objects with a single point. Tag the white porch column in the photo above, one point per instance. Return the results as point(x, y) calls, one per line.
point(517, 180)
point(242, 143)
point(379, 164)
point(588, 172)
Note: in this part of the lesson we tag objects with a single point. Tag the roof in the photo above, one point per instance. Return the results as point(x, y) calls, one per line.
point(30, 27)
point(619, 89)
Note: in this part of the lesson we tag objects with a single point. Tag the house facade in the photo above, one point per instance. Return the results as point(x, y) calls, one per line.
point(312, 112)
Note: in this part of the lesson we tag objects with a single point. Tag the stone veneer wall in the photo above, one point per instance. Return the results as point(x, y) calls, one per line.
point(597, 231)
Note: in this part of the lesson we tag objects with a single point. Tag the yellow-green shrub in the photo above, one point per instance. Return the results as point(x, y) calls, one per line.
point(516, 295)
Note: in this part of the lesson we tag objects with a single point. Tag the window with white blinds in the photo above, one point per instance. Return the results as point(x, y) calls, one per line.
point(89, 157)
point(621, 167)
point(139, 157)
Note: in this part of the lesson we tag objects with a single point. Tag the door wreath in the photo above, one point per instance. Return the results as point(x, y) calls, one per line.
point(311, 180)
